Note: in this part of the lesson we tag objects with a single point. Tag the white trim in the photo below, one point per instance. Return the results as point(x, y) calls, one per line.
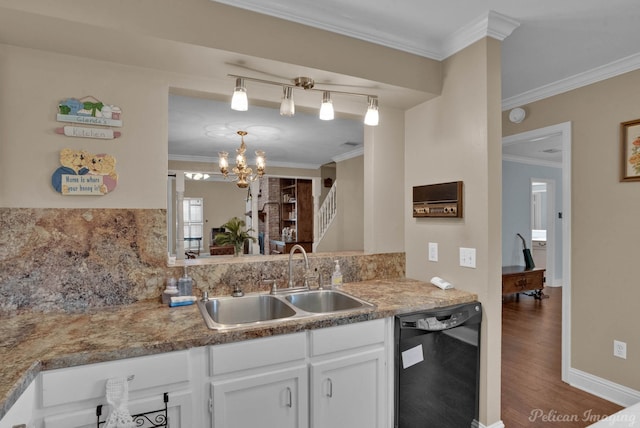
point(603, 388)
point(498, 424)
point(214, 161)
point(607, 71)
point(565, 130)
point(493, 24)
point(531, 161)
point(352, 154)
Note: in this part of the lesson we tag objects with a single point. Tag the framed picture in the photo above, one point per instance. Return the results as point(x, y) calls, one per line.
point(630, 137)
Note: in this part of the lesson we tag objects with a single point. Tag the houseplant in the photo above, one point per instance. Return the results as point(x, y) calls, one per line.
point(235, 235)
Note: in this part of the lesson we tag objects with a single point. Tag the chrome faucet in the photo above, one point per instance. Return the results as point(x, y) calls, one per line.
point(306, 264)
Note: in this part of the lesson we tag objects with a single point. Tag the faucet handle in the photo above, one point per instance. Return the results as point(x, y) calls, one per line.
point(274, 284)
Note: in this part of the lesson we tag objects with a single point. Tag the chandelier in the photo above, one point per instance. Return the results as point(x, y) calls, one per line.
point(243, 174)
point(239, 101)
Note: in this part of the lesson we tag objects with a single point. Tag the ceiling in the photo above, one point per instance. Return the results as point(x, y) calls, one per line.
point(556, 46)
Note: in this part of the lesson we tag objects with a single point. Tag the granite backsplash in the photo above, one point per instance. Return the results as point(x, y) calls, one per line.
point(72, 260)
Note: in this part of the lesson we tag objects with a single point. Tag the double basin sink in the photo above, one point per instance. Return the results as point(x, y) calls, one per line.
point(265, 309)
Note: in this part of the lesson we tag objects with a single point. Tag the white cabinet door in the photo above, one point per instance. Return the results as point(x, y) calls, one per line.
point(179, 411)
point(349, 391)
point(274, 399)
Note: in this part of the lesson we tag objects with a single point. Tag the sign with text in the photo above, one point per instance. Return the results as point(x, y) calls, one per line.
point(87, 184)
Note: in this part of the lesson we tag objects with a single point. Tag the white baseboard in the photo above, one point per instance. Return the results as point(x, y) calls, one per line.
point(603, 388)
point(498, 424)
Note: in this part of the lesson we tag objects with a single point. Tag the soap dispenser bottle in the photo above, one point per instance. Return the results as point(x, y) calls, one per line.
point(170, 291)
point(336, 276)
point(185, 284)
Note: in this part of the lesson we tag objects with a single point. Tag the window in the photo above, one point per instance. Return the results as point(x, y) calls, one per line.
point(193, 223)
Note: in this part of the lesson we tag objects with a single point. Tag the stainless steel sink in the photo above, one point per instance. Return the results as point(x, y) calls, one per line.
point(224, 313)
point(229, 311)
point(325, 301)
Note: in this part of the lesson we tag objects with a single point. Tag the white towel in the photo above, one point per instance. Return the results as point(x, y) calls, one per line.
point(118, 397)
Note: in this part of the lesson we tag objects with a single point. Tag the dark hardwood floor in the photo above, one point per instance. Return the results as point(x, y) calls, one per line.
point(532, 393)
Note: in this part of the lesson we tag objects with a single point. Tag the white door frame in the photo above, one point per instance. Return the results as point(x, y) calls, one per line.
point(564, 130)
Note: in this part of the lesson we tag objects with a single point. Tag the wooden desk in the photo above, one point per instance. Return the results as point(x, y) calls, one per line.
point(516, 279)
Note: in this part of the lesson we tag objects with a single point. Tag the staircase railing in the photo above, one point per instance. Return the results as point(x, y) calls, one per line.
point(326, 213)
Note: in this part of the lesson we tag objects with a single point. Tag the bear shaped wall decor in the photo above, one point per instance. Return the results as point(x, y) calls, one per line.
point(84, 173)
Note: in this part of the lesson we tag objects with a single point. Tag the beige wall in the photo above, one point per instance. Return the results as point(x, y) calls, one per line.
point(384, 151)
point(346, 232)
point(32, 83)
point(604, 280)
point(221, 201)
point(449, 139)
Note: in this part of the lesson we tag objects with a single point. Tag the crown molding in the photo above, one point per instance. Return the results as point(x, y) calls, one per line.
point(214, 161)
point(598, 74)
point(531, 161)
point(349, 155)
point(493, 24)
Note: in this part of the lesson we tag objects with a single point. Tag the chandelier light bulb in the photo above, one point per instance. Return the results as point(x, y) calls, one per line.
point(326, 109)
point(239, 101)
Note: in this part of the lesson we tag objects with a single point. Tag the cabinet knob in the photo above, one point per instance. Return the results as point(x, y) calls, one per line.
point(330, 391)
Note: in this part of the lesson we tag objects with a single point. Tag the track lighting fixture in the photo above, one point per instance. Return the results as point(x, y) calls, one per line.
point(372, 116)
point(287, 107)
point(239, 100)
point(326, 108)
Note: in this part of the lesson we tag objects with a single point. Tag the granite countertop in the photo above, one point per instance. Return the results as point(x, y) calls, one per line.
point(33, 341)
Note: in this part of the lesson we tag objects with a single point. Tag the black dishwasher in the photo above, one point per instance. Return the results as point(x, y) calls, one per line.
point(437, 366)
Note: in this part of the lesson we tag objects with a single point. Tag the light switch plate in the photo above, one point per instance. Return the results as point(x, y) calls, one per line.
point(433, 251)
point(468, 257)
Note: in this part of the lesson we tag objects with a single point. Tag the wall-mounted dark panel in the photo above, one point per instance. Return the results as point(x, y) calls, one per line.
point(438, 200)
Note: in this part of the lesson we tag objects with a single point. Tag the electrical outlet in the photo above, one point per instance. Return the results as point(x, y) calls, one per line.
point(433, 251)
point(468, 257)
point(620, 349)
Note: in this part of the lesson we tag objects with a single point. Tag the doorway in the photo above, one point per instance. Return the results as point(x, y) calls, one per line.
point(543, 228)
point(529, 139)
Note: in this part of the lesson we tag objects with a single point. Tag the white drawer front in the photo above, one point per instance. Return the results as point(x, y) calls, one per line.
point(86, 382)
point(231, 357)
point(333, 339)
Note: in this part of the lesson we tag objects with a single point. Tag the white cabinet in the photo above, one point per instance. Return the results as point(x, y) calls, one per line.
point(69, 397)
point(329, 377)
point(273, 399)
point(349, 376)
point(23, 410)
point(260, 383)
point(349, 391)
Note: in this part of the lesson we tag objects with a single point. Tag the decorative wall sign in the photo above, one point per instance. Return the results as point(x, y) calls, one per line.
point(83, 131)
point(88, 111)
point(83, 173)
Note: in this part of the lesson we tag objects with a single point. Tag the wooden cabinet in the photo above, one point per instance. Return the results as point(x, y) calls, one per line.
point(516, 279)
point(296, 200)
